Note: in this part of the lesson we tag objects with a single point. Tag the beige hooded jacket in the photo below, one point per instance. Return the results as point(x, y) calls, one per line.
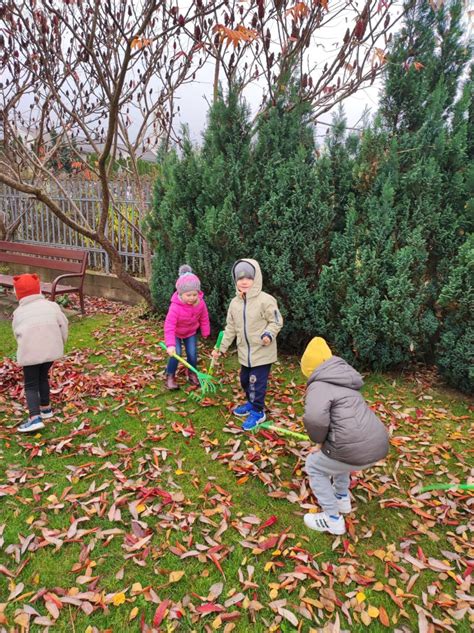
point(249, 318)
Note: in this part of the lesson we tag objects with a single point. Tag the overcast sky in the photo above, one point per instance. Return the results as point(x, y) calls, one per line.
point(194, 99)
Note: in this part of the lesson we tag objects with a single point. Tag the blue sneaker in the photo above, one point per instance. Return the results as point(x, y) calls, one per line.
point(254, 418)
point(243, 410)
point(31, 425)
point(46, 414)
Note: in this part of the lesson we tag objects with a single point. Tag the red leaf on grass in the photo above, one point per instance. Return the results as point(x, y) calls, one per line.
point(269, 543)
point(270, 521)
point(7, 572)
point(144, 493)
point(210, 607)
point(160, 612)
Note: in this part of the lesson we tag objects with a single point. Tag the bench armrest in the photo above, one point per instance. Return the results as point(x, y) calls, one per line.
point(55, 282)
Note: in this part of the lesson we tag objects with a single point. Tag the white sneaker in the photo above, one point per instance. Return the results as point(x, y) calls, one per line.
point(31, 425)
point(344, 505)
point(46, 414)
point(321, 522)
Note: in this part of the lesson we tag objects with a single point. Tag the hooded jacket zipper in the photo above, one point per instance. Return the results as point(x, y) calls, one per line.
point(245, 328)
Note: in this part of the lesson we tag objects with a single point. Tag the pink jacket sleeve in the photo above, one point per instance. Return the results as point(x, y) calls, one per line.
point(204, 323)
point(170, 326)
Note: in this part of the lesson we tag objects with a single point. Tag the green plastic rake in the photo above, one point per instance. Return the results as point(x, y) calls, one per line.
point(206, 382)
point(217, 346)
point(448, 487)
point(278, 429)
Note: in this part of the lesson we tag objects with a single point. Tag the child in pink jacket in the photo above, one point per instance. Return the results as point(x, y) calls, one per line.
point(186, 315)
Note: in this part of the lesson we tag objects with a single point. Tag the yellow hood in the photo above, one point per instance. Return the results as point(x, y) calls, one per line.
point(315, 354)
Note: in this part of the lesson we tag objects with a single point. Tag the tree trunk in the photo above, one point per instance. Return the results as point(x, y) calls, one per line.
point(7, 231)
point(141, 287)
point(147, 259)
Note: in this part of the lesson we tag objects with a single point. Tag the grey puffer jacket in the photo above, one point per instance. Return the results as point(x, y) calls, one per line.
point(337, 416)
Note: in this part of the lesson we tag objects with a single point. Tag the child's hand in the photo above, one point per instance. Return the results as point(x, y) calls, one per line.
point(171, 350)
point(266, 340)
point(215, 354)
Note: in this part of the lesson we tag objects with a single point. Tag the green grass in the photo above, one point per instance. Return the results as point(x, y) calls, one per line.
point(80, 333)
point(140, 444)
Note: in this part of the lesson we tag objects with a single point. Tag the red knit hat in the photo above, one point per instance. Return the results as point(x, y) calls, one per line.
point(26, 285)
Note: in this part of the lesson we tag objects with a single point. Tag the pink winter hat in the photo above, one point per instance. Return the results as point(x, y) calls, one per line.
point(187, 280)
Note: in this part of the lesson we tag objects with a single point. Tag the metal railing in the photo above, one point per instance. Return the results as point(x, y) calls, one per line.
point(40, 226)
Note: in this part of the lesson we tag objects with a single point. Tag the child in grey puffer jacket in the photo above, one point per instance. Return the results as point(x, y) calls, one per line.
point(351, 435)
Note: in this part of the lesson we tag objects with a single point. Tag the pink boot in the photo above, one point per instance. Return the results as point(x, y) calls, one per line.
point(171, 383)
point(193, 379)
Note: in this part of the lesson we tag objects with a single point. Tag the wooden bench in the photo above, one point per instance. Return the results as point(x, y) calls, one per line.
point(70, 261)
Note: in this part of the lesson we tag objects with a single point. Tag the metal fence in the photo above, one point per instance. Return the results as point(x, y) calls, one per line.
point(40, 226)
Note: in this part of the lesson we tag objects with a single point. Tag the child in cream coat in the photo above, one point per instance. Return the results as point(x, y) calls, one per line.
point(40, 329)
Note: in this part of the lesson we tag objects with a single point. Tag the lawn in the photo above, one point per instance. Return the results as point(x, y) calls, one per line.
point(137, 509)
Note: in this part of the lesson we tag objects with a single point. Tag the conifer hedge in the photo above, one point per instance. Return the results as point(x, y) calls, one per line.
point(363, 240)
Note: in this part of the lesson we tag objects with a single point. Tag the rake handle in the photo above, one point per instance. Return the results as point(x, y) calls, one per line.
point(217, 346)
point(181, 360)
point(448, 487)
point(270, 427)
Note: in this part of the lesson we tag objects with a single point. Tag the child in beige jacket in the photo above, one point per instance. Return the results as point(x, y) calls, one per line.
point(40, 329)
point(253, 318)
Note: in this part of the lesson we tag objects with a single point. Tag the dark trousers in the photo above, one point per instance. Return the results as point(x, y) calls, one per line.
point(190, 345)
point(254, 381)
point(36, 387)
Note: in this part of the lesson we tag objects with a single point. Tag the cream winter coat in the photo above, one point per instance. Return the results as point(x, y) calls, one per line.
point(40, 329)
point(248, 319)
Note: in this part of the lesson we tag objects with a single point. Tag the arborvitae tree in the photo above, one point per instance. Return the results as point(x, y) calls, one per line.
point(200, 208)
point(223, 211)
point(334, 281)
point(294, 213)
point(421, 107)
point(340, 148)
point(405, 224)
point(380, 305)
point(455, 352)
point(172, 222)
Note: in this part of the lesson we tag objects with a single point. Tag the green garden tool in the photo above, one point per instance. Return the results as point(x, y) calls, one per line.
point(278, 429)
point(205, 382)
point(217, 346)
point(448, 487)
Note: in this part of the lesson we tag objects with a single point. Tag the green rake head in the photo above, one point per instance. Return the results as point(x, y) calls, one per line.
point(207, 386)
point(206, 382)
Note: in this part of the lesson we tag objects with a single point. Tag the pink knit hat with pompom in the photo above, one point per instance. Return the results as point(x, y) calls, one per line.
point(187, 280)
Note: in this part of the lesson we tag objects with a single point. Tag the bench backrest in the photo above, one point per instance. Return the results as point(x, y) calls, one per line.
point(64, 259)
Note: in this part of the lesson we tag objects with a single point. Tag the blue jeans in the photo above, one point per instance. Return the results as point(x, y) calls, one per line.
point(190, 345)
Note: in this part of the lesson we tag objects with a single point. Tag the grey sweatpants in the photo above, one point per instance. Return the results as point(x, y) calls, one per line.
point(321, 470)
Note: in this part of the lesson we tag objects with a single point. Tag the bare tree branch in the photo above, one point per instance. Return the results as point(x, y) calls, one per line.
point(92, 77)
